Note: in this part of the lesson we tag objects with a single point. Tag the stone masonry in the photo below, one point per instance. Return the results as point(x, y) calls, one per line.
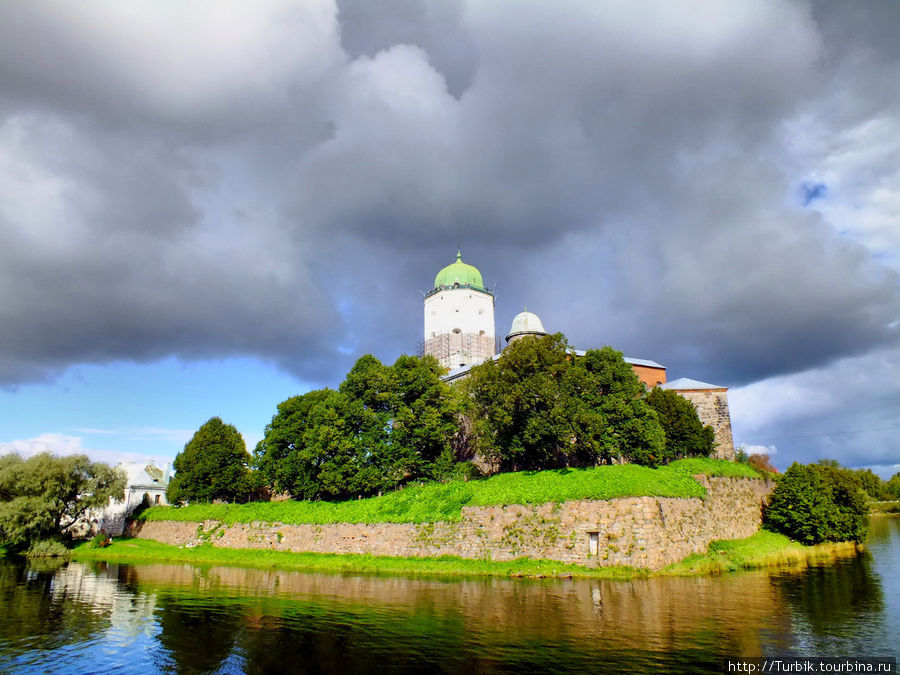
point(643, 532)
point(712, 409)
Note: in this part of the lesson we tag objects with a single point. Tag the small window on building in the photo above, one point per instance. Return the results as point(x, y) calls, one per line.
point(593, 543)
point(156, 499)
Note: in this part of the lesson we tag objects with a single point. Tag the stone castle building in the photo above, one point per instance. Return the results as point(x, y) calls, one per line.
point(459, 332)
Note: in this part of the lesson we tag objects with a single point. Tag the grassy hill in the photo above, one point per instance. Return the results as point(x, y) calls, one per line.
point(444, 501)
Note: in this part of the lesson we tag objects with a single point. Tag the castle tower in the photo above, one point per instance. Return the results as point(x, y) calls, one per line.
point(459, 317)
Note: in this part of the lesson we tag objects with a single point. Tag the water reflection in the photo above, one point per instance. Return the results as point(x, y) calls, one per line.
point(844, 608)
point(38, 609)
point(371, 623)
point(179, 618)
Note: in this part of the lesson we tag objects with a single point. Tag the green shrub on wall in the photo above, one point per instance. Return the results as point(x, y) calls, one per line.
point(813, 504)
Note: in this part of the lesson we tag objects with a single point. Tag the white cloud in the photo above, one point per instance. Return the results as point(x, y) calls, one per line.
point(63, 444)
point(57, 444)
point(769, 450)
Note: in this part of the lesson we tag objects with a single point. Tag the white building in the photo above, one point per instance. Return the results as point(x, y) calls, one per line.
point(459, 317)
point(142, 481)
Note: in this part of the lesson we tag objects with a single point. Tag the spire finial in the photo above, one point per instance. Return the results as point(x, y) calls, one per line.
point(458, 255)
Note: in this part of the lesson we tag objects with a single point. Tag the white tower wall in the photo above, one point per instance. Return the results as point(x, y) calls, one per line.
point(459, 326)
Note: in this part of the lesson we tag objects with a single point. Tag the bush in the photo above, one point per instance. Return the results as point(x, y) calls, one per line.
point(814, 503)
point(762, 463)
point(100, 540)
point(47, 548)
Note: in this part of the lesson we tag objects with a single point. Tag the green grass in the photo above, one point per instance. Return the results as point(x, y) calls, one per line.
point(763, 549)
point(715, 467)
point(602, 482)
point(443, 502)
point(145, 550)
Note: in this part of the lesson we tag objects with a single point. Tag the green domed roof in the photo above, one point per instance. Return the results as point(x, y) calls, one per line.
point(459, 273)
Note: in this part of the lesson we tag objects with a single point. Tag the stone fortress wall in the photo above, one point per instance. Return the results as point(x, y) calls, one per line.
point(712, 409)
point(643, 532)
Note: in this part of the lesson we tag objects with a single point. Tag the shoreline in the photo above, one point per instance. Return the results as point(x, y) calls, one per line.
point(759, 551)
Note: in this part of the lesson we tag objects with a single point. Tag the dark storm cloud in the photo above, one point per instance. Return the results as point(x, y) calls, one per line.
point(849, 411)
point(283, 181)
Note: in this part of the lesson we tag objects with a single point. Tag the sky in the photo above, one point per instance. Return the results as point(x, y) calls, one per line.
point(208, 207)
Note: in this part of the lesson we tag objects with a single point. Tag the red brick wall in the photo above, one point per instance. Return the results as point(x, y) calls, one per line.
point(650, 376)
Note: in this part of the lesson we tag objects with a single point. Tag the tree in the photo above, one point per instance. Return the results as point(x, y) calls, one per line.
point(762, 463)
point(541, 407)
point(519, 412)
point(213, 465)
point(384, 426)
point(632, 430)
point(44, 496)
point(866, 479)
point(425, 418)
point(815, 503)
point(685, 434)
point(870, 482)
point(892, 487)
point(285, 455)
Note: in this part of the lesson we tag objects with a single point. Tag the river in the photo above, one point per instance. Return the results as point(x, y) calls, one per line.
point(105, 618)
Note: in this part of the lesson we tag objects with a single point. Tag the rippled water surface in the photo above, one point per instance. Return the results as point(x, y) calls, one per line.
point(82, 618)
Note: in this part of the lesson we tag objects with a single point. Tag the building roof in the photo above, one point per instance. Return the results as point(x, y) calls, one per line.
point(139, 474)
point(459, 273)
point(687, 384)
point(526, 323)
point(630, 361)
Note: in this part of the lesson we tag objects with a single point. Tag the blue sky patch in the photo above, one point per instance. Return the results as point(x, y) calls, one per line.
point(810, 192)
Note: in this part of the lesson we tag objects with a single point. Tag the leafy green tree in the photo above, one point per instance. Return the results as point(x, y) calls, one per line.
point(425, 418)
point(867, 479)
point(815, 503)
point(540, 407)
point(45, 496)
point(831, 463)
point(632, 430)
point(892, 487)
point(284, 456)
point(517, 405)
point(384, 426)
point(870, 482)
point(213, 465)
point(685, 434)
